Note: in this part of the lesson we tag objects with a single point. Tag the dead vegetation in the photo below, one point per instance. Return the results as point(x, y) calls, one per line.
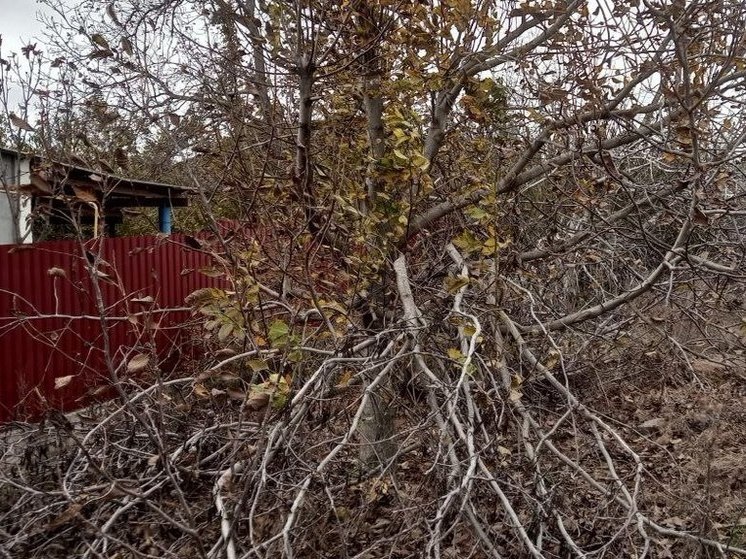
point(178, 471)
point(496, 311)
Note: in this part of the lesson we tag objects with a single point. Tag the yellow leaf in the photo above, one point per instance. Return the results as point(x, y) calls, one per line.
point(488, 249)
point(421, 162)
point(454, 284)
point(344, 378)
point(466, 241)
point(552, 360)
point(455, 353)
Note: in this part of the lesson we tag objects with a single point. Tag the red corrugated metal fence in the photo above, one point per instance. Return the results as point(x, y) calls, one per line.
point(51, 325)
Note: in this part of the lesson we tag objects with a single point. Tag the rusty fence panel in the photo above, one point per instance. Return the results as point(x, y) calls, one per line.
point(55, 344)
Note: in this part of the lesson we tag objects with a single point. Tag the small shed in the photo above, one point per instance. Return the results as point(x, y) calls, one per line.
point(33, 186)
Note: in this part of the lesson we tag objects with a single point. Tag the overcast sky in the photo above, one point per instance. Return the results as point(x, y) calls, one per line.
point(18, 23)
point(19, 26)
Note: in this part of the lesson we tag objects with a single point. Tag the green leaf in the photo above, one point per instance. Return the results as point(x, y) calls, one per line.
point(477, 213)
point(257, 365)
point(278, 333)
point(276, 390)
point(225, 331)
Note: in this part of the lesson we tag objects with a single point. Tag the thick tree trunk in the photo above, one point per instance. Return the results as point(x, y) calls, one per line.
point(374, 111)
point(377, 433)
point(303, 172)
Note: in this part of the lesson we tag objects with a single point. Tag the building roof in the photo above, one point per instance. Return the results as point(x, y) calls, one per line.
point(52, 178)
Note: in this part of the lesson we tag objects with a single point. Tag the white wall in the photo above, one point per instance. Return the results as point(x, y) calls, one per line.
point(24, 223)
point(14, 225)
point(7, 226)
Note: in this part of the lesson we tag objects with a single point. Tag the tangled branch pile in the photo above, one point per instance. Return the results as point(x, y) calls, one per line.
point(483, 269)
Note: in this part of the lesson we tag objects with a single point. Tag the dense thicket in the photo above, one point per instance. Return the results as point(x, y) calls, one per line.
point(465, 242)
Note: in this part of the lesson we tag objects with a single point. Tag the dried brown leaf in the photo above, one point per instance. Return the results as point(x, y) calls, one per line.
point(61, 382)
point(138, 363)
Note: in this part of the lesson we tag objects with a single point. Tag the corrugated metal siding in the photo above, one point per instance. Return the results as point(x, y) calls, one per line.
point(50, 325)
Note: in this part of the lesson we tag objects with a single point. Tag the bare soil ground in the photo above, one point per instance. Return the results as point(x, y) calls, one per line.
point(691, 439)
